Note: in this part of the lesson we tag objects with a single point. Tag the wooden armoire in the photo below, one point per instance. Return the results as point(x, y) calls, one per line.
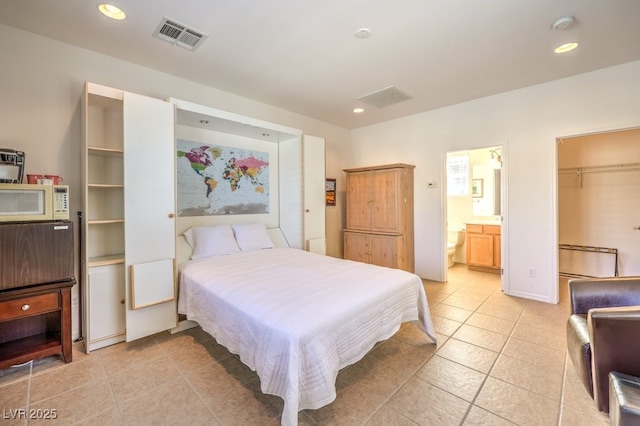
point(380, 216)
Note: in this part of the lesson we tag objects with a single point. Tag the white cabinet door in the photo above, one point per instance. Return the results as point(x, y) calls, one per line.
point(149, 191)
point(313, 160)
point(105, 290)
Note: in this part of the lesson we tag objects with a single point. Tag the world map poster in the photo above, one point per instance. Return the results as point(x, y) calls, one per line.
point(220, 180)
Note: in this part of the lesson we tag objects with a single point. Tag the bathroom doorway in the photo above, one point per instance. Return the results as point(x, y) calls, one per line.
point(475, 188)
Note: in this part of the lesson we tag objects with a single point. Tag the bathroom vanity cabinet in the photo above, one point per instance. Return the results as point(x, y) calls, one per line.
point(483, 247)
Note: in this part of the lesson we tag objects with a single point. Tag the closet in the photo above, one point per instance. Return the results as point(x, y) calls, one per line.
point(127, 222)
point(380, 216)
point(598, 201)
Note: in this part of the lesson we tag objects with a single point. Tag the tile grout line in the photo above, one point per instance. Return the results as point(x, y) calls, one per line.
point(111, 391)
point(491, 369)
point(28, 401)
point(486, 376)
point(166, 354)
point(564, 382)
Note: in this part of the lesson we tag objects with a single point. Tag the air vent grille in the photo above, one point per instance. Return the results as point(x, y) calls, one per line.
point(385, 97)
point(179, 34)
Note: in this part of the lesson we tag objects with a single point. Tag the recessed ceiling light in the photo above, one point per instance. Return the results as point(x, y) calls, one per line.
point(358, 110)
point(567, 47)
point(112, 11)
point(363, 33)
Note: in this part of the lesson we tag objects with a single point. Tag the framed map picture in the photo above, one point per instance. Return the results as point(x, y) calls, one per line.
point(220, 180)
point(330, 192)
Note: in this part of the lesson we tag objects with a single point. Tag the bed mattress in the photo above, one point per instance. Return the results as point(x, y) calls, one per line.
point(297, 318)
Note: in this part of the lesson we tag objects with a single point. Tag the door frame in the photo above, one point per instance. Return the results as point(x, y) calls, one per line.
point(504, 240)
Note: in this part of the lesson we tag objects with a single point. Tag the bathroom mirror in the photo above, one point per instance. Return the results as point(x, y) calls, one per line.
point(486, 202)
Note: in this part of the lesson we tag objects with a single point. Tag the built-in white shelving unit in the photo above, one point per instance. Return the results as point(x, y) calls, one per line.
point(127, 227)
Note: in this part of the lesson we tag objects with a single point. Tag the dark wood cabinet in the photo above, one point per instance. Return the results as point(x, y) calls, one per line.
point(35, 322)
point(36, 277)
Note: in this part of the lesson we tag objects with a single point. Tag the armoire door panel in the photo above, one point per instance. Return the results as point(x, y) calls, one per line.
point(359, 200)
point(384, 217)
point(384, 250)
point(356, 247)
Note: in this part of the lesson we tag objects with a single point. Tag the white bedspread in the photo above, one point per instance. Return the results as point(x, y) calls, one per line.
point(297, 318)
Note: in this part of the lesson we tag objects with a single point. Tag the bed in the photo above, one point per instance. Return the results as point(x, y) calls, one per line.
point(294, 317)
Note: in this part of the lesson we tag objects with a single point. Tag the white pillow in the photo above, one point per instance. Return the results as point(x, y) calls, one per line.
point(208, 241)
point(252, 236)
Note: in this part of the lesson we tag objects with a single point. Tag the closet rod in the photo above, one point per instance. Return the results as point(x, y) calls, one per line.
point(601, 169)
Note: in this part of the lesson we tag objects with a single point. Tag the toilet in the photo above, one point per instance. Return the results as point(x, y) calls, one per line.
point(455, 238)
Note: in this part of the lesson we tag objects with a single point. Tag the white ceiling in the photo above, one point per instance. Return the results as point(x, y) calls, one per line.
point(302, 55)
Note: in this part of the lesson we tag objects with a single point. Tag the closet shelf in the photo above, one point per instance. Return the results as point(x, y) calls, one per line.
point(104, 221)
point(105, 152)
point(105, 260)
point(105, 185)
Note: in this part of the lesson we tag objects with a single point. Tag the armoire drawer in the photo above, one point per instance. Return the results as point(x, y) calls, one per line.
point(27, 306)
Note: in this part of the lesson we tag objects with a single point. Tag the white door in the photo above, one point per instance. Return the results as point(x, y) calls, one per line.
point(313, 155)
point(149, 192)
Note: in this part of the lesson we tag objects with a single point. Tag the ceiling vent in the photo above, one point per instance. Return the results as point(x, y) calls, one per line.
point(385, 97)
point(179, 34)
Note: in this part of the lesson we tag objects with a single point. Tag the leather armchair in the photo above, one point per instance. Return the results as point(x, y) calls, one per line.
point(603, 331)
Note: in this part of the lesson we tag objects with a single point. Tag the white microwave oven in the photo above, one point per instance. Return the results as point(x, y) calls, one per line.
point(24, 202)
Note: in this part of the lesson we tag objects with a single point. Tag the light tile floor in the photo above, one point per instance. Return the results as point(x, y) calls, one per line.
point(499, 360)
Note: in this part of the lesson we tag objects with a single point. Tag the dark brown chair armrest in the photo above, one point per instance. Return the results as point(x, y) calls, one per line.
point(579, 349)
point(592, 293)
point(615, 346)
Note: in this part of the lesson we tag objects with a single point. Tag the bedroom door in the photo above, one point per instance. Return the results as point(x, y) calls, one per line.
point(313, 159)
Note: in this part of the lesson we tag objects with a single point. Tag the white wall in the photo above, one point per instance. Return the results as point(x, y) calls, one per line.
point(526, 123)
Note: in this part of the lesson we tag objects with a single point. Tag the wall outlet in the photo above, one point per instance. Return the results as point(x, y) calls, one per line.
point(74, 302)
point(532, 273)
